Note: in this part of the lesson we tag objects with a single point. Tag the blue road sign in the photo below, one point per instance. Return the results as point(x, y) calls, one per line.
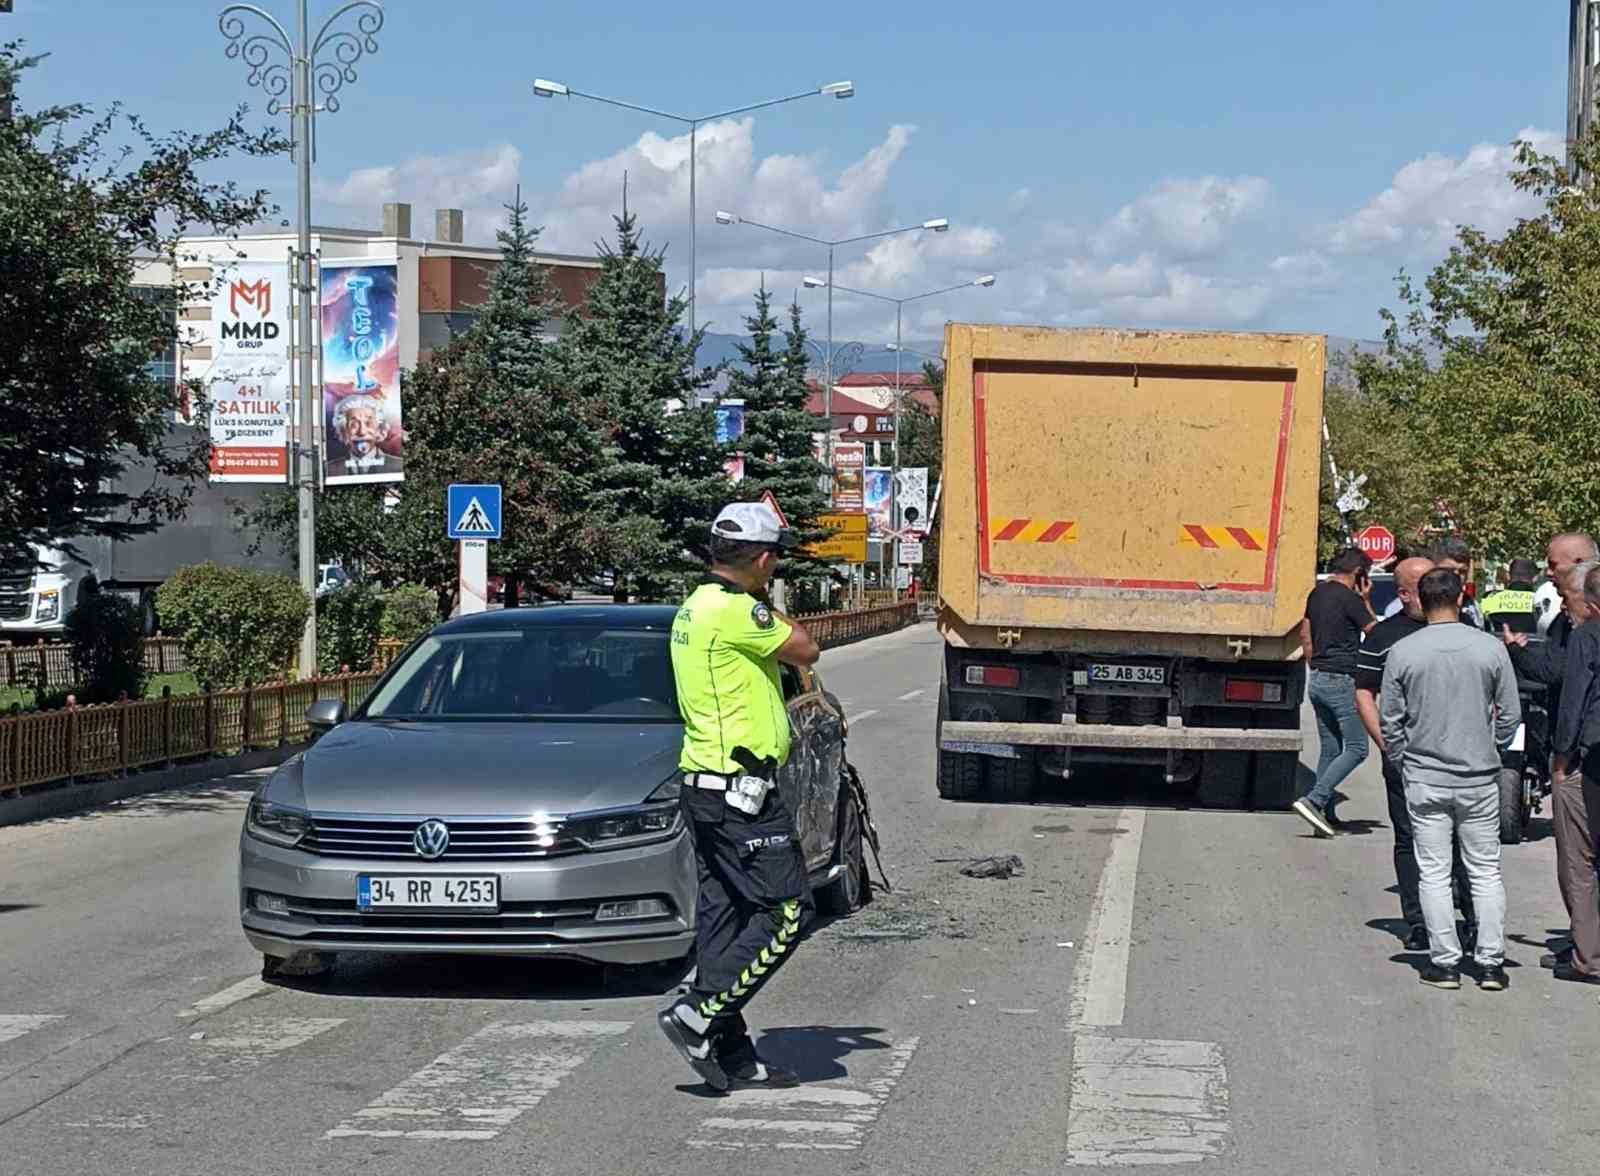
point(472, 511)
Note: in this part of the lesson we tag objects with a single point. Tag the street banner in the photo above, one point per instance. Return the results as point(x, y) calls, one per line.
point(364, 437)
point(875, 499)
point(849, 471)
point(250, 386)
point(911, 498)
point(730, 422)
point(846, 541)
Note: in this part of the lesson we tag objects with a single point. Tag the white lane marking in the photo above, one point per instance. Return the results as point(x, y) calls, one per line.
point(1100, 980)
point(854, 719)
point(483, 1085)
point(907, 697)
point(1145, 1102)
point(231, 995)
point(20, 1024)
point(830, 1117)
point(248, 1043)
point(116, 1122)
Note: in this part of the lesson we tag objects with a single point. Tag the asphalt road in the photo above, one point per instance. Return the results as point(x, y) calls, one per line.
point(1161, 985)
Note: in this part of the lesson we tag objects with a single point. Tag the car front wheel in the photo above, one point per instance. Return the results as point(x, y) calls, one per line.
point(851, 889)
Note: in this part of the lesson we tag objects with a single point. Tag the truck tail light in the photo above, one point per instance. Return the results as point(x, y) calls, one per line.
point(1007, 676)
point(1242, 690)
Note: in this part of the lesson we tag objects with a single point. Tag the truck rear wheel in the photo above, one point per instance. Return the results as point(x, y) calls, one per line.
point(1010, 779)
point(960, 773)
point(1224, 779)
point(1277, 779)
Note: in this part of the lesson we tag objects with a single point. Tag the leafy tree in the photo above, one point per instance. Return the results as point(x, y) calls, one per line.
point(409, 611)
point(778, 429)
point(80, 198)
point(1370, 436)
point(663, 474)
point(1494, 364)
point(348, 624)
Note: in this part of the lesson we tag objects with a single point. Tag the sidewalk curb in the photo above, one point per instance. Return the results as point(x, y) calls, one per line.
point(74, 799)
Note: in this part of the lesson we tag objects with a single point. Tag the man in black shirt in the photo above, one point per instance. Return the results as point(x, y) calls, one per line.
point(1337, 615)
point(1369, 684)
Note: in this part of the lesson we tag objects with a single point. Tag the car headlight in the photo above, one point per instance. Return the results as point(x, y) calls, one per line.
point(648, 822)
point(49, 606)
point(276, 824)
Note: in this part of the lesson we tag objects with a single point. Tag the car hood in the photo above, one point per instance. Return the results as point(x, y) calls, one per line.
point(480, 769)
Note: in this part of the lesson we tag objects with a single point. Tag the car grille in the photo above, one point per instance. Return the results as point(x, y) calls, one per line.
point(470, 840)
point(16, 594)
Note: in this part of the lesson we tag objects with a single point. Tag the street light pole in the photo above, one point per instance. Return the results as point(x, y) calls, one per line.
point(545, 88)
point(302, 67)
point(985, 281)
point(936, 225)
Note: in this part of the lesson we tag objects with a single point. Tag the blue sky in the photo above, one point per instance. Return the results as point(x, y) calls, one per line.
point(1252, 166)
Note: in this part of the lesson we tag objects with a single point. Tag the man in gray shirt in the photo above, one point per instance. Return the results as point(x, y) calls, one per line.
point(1449, 703)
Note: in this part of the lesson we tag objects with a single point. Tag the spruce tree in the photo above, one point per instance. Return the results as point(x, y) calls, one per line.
point(778, 428)
point(663, 477)
point(494, 407)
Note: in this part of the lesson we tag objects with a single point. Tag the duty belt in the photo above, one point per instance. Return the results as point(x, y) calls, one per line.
point(708, 780)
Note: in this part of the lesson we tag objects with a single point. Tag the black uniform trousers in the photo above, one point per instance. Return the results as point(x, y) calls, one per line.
point(755, 901)
point(1406, 873)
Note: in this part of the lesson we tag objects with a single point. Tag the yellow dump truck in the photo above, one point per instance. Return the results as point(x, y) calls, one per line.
point(1127, 537)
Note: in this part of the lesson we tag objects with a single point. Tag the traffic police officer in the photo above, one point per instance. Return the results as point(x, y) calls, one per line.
point(1512, 607)
point(727, 641)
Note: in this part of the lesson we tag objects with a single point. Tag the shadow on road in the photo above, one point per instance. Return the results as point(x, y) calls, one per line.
point(815, 1053)
point(368, 976)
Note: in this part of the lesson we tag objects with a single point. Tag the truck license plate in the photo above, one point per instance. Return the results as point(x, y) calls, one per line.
point(1128, 675)
point(446, 892)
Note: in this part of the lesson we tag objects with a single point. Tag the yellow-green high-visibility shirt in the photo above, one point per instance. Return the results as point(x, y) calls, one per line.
point(724, 659)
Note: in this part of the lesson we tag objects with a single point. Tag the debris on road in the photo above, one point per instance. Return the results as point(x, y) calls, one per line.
point(999, 866)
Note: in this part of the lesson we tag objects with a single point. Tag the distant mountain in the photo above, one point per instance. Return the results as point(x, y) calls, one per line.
point(715, 349)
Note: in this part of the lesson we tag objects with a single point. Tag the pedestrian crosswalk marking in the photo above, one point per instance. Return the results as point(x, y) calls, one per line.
point(473, 520)
point(13, 1026)
point(1135, 1101)
point(820, 1117)
point(258, 1038)
point(483, 1085)
point(231, 995)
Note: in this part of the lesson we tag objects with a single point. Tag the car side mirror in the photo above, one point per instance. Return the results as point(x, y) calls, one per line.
point(325, 714)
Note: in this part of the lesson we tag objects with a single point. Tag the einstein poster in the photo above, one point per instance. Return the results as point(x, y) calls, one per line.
point(363, 431)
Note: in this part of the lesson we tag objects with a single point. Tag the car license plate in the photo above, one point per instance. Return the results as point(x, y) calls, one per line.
point(1128, 675)
point(440, 892)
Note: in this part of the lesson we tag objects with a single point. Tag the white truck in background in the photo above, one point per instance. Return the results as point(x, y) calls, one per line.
point(35, 601)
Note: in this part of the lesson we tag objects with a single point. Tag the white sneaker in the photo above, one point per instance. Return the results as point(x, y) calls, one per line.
point(1313, 816)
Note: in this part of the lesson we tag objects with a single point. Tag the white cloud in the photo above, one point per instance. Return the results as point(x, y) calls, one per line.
point(1184, 217)
point(1190, 251)
point(1429, 198)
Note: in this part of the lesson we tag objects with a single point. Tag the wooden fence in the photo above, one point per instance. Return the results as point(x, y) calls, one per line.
point(45, 747)
point(21, 665)
point(840, 628)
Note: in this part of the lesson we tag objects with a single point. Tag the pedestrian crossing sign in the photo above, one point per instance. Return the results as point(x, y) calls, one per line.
point(472, 511)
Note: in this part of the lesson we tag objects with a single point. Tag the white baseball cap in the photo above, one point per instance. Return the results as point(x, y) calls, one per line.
point(752, 522)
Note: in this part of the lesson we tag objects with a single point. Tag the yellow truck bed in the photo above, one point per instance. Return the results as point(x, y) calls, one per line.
point(1109, 486)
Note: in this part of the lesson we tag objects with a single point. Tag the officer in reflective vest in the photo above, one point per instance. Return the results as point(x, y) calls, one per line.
point(727, 641)
point(1512, 606)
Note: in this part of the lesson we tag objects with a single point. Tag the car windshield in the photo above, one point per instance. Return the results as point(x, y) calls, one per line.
point(538, 672)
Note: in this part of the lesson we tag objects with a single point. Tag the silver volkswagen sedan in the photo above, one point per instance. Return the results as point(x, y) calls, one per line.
point(510, 786)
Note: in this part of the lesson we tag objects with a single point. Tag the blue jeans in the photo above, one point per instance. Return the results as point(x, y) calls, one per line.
point(1343, 738)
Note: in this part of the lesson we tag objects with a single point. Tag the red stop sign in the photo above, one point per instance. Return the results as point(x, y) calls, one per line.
point(1377, 542)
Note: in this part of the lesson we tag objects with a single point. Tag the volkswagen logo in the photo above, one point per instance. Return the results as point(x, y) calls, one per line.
point(431, 839)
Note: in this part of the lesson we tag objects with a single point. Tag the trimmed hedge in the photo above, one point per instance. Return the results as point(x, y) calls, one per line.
point(409, 611)
point(107, 639)
point(236, 624)
point(349, 620)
